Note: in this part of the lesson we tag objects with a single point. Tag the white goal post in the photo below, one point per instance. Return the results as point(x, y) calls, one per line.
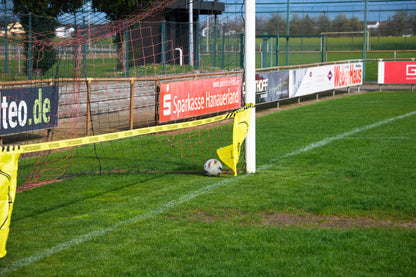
point(250, 80)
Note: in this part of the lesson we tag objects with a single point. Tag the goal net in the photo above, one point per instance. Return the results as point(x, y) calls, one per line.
point(112, 97)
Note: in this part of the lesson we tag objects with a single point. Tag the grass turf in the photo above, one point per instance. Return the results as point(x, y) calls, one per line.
point(350, 198)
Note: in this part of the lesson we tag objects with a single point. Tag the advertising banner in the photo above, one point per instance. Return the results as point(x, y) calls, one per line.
point(350, 74)
point(397, 72)
point(310, 80)
point(198, 97)
point(271, 86)
point(28, 109)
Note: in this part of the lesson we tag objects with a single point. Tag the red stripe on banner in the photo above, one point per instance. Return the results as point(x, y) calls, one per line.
point(400, 72)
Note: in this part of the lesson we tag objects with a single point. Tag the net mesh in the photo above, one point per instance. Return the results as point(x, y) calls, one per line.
point(77, 80)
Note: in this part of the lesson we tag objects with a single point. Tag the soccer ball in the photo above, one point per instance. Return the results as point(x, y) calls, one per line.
point(212, 167)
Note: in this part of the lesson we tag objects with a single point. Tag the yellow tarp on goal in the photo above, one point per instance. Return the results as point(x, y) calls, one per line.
point(230, 154)
point(8, 177)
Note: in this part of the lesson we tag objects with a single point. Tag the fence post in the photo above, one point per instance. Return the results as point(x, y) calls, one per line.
point(271, 51)
point(287, 33)
point(287, 50)
point(215, 41)
point(157, 99)
point(29, 50)
point(18, 60)
point(131, 117)
point(75, 45)
point(6, 43)
point(241, 50)
point(127, 50)
point(322, 48)
point(84, 53)
point(163, 45)
point(364, 40)
point(88, 123)
point(277, 50)
point(196, 58)
point(223, 46)
point(265, 39)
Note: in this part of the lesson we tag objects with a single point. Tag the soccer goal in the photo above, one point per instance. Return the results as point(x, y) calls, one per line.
point(116, 99)
point(346, 41)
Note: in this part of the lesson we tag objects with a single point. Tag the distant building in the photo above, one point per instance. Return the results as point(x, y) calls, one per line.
point(373, 25)
point(13, 29)
point(64, 32)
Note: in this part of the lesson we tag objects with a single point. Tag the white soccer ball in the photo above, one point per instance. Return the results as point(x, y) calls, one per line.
point(213, 167)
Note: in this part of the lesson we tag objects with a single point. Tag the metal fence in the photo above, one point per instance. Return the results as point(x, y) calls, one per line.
point(288, 32)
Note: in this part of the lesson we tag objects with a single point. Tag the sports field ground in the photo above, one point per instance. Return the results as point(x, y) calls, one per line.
point(334, 194)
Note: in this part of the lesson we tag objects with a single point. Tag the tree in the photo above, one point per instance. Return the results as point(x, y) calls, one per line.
point(295, 25)
point(341, 23)
point(116, 10)
point(401, 22)
point(44, 23)
point(273, 25)
point(412, 21)
point(356, 24)
point(388, 29)
point(308, 25)
point(323, 23)
point(261, 22)
point(235, 24)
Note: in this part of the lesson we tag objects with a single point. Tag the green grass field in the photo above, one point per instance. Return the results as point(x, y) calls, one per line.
point(334, 195)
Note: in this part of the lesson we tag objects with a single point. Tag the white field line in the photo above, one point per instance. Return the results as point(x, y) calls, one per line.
point(381, 138)
point(174, 203)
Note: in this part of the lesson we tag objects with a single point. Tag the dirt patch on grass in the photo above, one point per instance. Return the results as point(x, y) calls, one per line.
point(337, 222)
point(308, 221)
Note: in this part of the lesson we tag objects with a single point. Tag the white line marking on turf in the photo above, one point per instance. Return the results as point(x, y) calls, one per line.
point(379, 138)
point(172, 204)
point(346, 134)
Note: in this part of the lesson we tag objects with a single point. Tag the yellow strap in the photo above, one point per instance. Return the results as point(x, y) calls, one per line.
point(43, 146)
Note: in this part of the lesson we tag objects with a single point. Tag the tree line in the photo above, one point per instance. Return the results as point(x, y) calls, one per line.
point(401, 23)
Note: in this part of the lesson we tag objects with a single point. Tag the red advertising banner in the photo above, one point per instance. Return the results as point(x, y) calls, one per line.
point(348, 74)
point(397, 73)
point(198, 97)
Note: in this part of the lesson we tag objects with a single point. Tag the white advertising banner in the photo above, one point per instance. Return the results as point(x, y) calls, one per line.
point(310, 80)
